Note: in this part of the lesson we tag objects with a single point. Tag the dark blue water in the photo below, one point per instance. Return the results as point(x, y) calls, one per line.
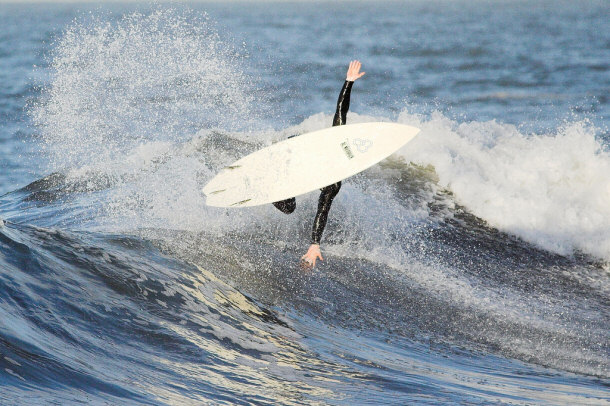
point(469, 268)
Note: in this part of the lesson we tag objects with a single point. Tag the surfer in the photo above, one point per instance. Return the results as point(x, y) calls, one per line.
point(328, 193)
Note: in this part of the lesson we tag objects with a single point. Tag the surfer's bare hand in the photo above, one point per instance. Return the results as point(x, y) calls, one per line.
point(353, 72)
point(309, 260)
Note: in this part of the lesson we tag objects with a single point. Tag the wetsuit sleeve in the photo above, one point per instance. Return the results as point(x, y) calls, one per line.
point(329, 192)
point(343, 104)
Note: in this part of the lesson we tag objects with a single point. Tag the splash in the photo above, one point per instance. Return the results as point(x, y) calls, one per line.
point(140, 99)
point(158, 77)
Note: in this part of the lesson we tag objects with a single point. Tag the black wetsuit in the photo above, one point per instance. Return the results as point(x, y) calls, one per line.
point(329, 192)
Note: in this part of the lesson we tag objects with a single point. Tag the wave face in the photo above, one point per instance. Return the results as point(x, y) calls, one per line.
point(471, 267)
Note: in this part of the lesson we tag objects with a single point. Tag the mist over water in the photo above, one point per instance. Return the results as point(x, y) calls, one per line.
point(470, 267)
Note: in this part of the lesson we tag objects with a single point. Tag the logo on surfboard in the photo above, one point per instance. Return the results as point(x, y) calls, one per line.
point(362, 145)
point(347, 149)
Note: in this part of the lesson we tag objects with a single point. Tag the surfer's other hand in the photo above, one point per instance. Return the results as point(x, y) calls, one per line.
point(353, 72)
point(309, 260)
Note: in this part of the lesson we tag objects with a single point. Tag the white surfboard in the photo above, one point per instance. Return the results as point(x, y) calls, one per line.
point(305, 163)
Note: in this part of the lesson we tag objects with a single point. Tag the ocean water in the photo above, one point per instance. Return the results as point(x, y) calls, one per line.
point(471, 267)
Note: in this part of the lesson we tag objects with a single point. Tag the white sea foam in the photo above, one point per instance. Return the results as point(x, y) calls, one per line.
point(136, 98)
point(552, 190)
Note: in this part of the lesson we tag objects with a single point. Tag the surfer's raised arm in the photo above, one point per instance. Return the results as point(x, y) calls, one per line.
point(329, 192)
point(353, 73)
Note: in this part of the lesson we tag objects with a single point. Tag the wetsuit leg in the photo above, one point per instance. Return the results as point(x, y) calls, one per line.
point(326, 198)
point(286, 206)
